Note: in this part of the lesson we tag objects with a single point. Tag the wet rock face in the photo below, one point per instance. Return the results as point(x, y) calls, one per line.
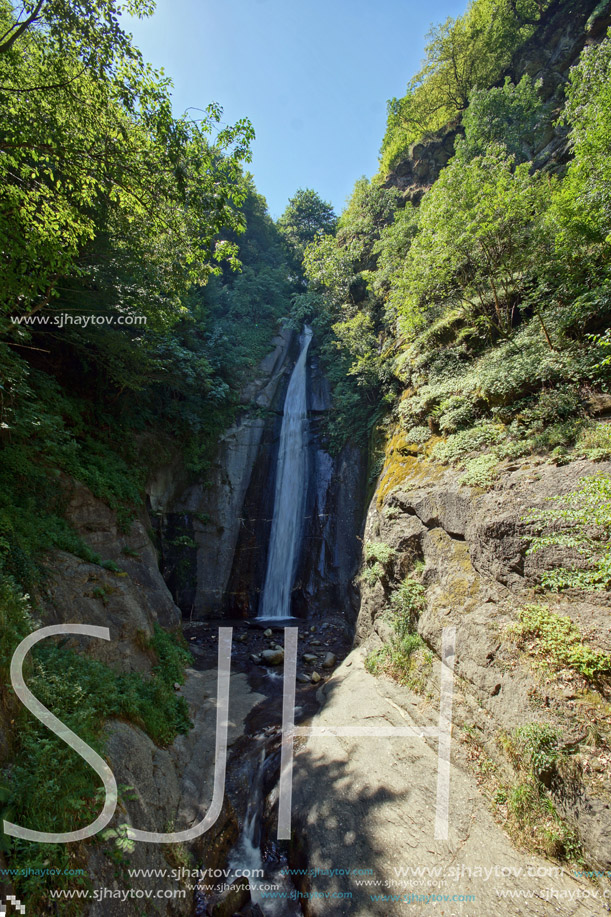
point(213, 535)
point(471, 548)
point(200, 522)
point(329, 552)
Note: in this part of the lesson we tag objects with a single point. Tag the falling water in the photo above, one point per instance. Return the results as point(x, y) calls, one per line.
point(289, 499)
point(246, 859)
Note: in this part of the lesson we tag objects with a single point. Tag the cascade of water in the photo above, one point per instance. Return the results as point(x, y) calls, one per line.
point(247, 860)
point(290, 494)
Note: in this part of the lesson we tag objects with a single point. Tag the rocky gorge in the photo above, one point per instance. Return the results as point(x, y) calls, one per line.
point(466, 548)
point(418, 714)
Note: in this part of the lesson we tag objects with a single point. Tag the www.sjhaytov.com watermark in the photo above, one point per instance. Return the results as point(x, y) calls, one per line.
point(61, 320)
point(442, 732)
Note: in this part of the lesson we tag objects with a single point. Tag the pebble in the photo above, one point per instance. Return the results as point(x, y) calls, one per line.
point(303, 679)
point(256, 659)
point(268, 632)
point(330, 660)
point(309, 658)
point(272, 657)
point(315, 678)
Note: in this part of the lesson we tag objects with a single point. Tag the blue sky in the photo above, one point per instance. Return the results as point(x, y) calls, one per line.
point(312, 77)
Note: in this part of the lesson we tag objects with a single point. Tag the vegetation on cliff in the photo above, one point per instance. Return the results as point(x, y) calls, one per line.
point(142, 278)
point(479, 314)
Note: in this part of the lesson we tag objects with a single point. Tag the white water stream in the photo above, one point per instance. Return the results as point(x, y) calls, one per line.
point(290, 494)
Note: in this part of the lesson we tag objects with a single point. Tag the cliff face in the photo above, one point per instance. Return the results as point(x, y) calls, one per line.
point(161, 788)
point(213, 529)
point(329, 553)
point(199, 519)
point(468, 550)
point(560, 37)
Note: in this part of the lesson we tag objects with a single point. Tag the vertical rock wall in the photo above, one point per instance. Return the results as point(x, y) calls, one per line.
point(330, 547)
point(199, 520)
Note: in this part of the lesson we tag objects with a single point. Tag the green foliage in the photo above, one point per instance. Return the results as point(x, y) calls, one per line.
point(407, 602)
point(406, 660)
point(581, 521)
point(378, 557)
point(476, 241)
point(406, 657)
point(595, 443)
point(104, 164)
point(538, 744)
point(306, 217)
point(379, 551)
point(559, 643)
point(350, 327)
point(582, 211)
point(172, 655)
point(456, 447)
point(462, 55)
point(481, 470)
point(83, 693)
point(15, 622)
point(508, 115)
point(534, 822)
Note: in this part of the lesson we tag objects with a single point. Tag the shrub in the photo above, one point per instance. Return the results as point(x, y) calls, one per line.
point(406, 658)
point(534, 822)
point(481, 470)
point(585, 519)
point(538, 746)
point(456, 447)
point(559, 642)
point(595, 443)
point(379, 552)
point(407, 602)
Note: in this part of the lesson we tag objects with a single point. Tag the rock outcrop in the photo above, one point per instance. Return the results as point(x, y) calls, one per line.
point(160, 789)
point(364, 821)
point(170, 789)
point(470, 547)
point(558, 40)
point(128, 600)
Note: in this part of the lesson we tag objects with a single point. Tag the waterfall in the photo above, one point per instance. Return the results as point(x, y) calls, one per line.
point(290, 494)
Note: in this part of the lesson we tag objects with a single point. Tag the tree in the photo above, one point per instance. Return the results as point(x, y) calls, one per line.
point(582, 212)
point(508, 115)
point(100, 184)
point(461, 55)
point(477, 243)
point(88, 30)
point(306, 217)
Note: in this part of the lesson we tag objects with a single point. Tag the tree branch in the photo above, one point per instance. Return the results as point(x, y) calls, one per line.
point(8, 39)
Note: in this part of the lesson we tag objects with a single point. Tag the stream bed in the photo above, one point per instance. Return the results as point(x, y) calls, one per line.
point(253, 763)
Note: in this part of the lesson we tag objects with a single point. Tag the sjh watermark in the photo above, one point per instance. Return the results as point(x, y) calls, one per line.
point(61, 320)
point(10, 899)
point(442, 732)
